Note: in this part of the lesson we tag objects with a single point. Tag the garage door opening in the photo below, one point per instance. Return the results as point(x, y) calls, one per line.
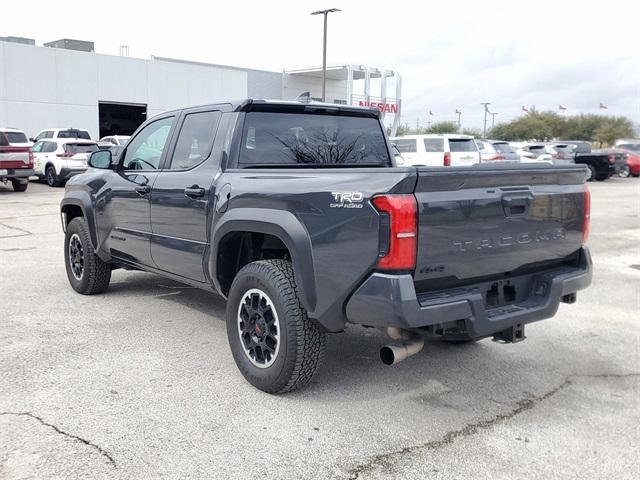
point(120, 118)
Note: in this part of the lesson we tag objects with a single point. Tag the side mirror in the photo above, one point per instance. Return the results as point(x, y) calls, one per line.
point(100, 159)
point(32, 140)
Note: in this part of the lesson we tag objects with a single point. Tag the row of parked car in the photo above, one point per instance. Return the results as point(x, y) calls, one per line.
point(464, 150)
point(56, 154)
point(53, 155)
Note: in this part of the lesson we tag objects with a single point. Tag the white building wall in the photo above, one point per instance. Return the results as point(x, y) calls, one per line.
point(43, 87)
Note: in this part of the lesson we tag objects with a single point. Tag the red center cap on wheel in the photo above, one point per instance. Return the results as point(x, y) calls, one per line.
point(259, 329)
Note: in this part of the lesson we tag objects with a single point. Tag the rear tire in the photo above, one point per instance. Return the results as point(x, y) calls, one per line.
point(274, 344)
point(51, 177)
point(19, 186)
point(86, 272)
point(592, 173)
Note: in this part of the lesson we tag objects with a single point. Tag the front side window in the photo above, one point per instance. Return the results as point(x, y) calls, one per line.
point(312, 139)
point(194, 141)
point(405, 145)
point(462, 145)
point(37, 147)
point(145, 150)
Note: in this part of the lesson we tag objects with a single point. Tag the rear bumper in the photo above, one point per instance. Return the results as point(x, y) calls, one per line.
point(17, 173)
point(390, 300)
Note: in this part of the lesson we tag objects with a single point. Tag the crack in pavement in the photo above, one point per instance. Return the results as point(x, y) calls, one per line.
point(22, 231)
point(62, 432)
point(384, 460)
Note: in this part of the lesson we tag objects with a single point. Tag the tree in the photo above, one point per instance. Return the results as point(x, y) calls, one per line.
point(443, 127)
point(549, 125)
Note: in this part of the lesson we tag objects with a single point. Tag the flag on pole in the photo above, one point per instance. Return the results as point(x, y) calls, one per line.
point(458, 112)
point(525, 109)
point(562, 108)
point(431, 113)
point(603, 106)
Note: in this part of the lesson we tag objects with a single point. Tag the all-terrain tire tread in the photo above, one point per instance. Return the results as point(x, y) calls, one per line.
point(99, 272)
point(310, 339)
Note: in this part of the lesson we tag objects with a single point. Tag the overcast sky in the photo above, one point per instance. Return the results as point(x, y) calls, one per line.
point(451, 54)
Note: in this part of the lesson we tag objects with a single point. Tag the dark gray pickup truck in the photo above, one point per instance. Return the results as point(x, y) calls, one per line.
point(297, 215)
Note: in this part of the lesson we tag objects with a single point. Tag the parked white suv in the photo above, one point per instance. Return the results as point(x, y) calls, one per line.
point(15, 137)
point(57, 160)
point(438, 150)
point(54, 133)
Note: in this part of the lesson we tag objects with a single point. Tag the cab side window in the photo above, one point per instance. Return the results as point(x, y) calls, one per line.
point(144, 152)
point(194, 141)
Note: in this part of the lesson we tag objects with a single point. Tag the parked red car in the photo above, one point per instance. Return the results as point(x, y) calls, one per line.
point(633, 161)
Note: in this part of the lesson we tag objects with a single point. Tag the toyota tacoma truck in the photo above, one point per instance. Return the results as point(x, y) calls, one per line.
point(16, 164)
point(297, 214)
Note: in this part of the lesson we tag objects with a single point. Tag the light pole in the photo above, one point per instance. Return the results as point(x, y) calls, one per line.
point(324, 47)
point(486, 110)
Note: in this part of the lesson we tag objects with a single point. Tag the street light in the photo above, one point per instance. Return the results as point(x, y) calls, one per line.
point(486, 110)
point(324, 46)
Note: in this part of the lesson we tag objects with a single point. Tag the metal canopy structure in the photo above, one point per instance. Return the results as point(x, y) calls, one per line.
point(343, 80)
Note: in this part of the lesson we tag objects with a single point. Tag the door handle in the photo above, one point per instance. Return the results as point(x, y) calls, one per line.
point(143, 189)
point(194, 191)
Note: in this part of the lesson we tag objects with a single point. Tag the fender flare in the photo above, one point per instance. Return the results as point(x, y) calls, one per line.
point(82, 200)
point(281, 224)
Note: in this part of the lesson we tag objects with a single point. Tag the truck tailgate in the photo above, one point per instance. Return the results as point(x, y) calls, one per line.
point(495, 219)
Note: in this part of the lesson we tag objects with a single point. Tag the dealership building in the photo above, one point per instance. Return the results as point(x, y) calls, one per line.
point(65, 84)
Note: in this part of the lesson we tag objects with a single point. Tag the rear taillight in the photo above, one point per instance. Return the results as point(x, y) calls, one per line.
point(30, 158)
point(403, 231)
point(496, 157)
point(64, 155)
point(612, 159)
point(447, 159)
point(586, 215)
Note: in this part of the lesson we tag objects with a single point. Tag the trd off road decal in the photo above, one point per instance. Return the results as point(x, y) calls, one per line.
point(346, 200)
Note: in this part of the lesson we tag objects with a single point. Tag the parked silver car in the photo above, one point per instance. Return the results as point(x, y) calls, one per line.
point(491, 150)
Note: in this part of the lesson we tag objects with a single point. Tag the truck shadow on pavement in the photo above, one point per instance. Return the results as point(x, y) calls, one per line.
point(442, 375)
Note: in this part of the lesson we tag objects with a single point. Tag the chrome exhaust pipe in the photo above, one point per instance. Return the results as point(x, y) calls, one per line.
point(397, 352)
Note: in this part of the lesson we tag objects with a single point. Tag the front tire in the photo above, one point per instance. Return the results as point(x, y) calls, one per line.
point(86, 272)
point(19, 186)
point(274, 344)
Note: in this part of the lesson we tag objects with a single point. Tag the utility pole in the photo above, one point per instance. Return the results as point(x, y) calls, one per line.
point(486, 110)
point(324, 47)
point(493, 118)
point(459, 113)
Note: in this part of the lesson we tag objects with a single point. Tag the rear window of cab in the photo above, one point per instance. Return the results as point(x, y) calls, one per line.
point(312, 140)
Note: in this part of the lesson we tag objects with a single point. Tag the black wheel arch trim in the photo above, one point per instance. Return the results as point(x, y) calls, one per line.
point(281, 224)
point(82, 200)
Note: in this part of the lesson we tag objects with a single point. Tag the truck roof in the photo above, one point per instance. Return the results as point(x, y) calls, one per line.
point(254, 104)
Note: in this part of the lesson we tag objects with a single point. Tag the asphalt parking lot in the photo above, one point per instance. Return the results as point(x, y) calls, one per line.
point(140, 383)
